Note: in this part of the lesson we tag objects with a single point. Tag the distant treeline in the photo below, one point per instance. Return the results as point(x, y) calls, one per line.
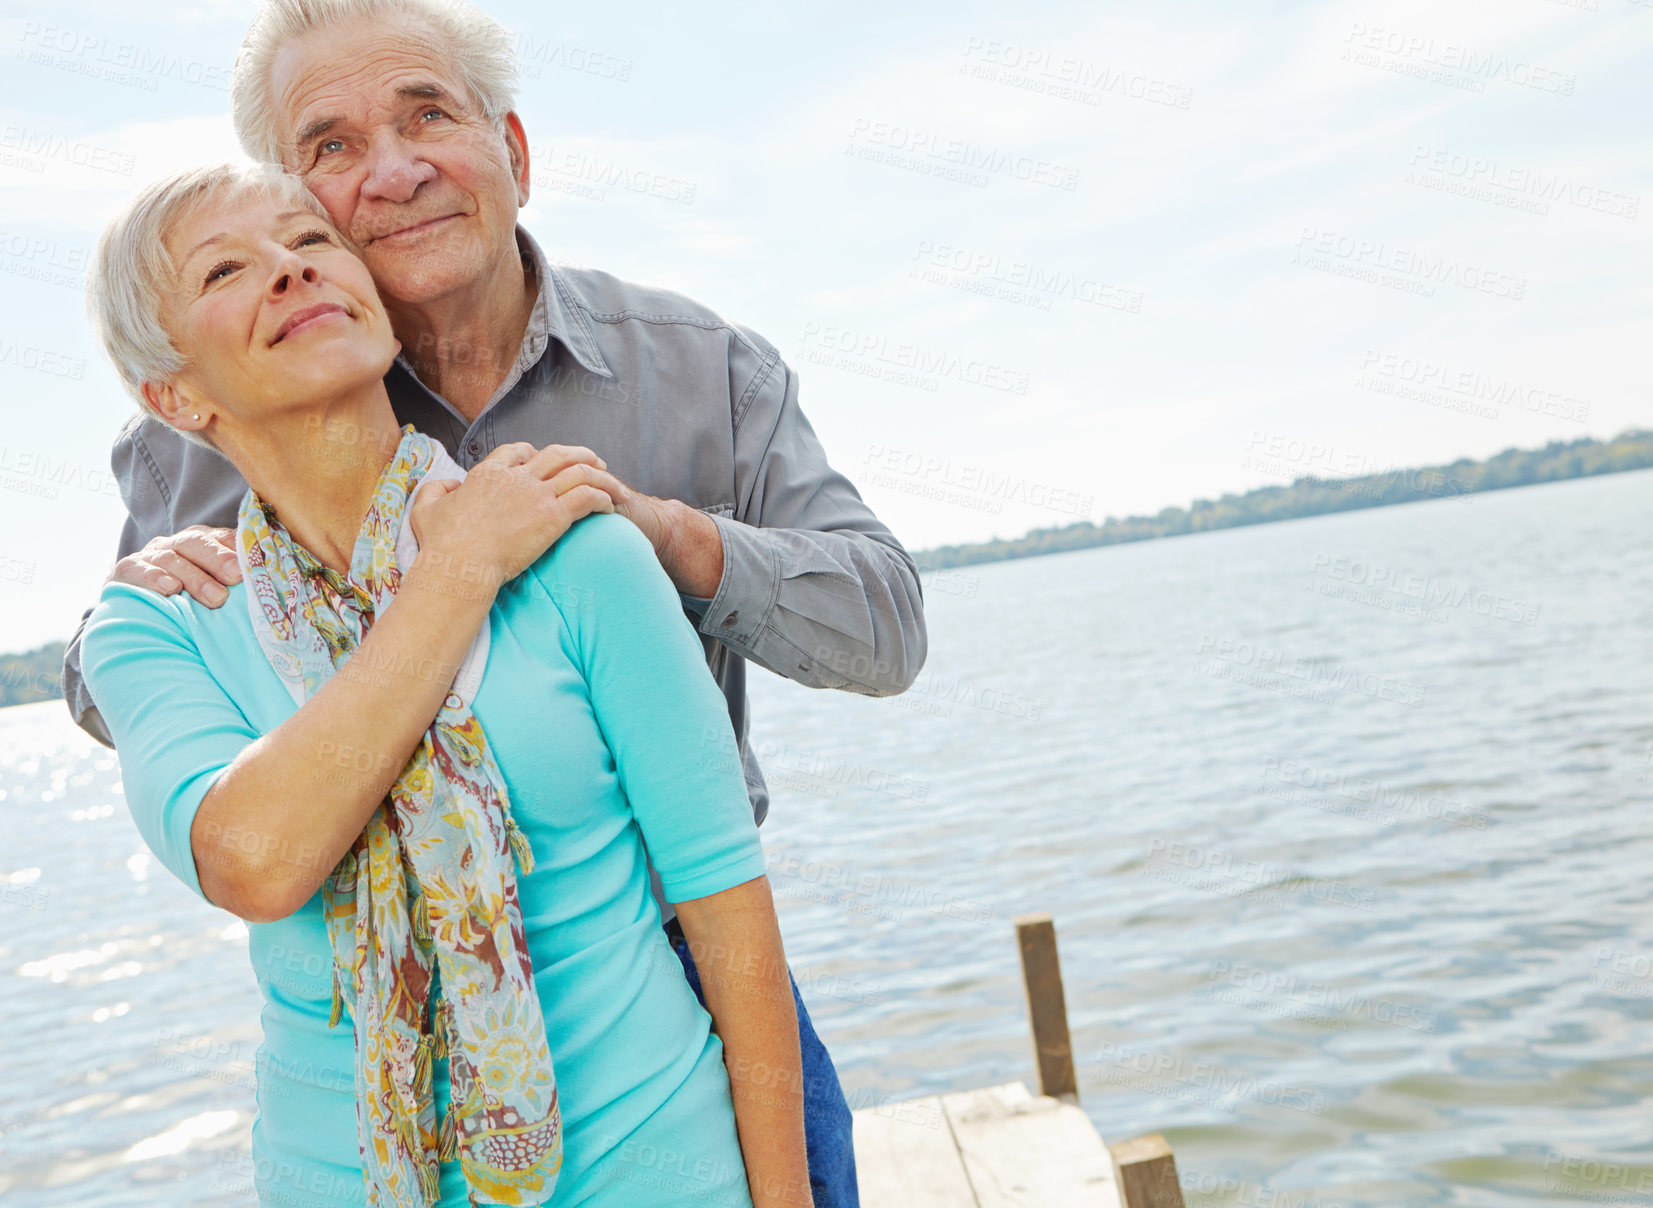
point(37, 674)
point(31, 676)
point(1313, 496)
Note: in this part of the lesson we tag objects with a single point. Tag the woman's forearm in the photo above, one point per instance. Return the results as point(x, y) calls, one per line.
point(735, 940)
point(289, 807)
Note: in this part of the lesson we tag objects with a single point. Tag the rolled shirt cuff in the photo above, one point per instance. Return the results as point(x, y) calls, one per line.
point(750, 586)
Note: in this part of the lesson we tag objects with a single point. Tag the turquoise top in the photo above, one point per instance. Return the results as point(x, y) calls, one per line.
point(610, 733)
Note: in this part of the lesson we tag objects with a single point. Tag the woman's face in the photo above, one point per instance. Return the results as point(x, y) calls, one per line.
point(270, 309)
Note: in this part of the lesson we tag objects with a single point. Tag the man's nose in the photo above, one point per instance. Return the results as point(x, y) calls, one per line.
point(394, 172)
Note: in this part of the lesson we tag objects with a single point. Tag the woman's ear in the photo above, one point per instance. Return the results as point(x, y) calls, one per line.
point(175, 407)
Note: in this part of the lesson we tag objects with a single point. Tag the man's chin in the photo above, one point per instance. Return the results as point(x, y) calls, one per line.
point(417, 278)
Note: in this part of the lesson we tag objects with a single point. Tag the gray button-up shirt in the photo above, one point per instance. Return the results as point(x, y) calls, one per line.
point(681, 404)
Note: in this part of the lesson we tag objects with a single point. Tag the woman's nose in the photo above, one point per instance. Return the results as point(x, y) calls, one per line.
point(285, 278)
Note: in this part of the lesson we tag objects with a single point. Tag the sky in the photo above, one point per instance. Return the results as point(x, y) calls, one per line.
point(1033, 263)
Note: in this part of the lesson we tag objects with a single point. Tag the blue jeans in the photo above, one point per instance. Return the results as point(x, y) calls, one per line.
point(827, 1127)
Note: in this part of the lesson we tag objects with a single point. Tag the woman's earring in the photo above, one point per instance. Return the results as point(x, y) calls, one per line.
point(195, 417)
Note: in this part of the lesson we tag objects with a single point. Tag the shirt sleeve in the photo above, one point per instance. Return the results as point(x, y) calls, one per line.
point(657, 705)
point(814, 587)
point(175, 728)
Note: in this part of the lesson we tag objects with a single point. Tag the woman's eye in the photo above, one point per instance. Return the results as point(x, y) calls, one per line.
point(222, 269)
point(311, 237)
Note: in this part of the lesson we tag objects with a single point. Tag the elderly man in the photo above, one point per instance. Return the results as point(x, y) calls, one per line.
point(399, 116)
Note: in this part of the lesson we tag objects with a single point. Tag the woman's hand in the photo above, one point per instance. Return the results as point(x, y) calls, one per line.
point(512, 507)
point(735, 940)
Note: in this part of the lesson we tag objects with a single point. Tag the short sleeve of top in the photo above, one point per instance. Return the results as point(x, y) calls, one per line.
point(175, 728)
point(657, 705)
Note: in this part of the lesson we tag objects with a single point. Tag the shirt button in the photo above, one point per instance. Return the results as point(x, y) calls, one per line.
point(731, 618)
point(474, 448)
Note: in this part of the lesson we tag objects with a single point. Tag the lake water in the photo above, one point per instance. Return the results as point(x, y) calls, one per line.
point(1342, 822)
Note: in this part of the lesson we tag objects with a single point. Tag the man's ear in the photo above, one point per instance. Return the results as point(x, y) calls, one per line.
point(516, 144)
point(175, 407)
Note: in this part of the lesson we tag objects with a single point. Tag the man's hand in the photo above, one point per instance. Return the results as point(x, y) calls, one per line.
point(512, 507)
point(685, 539)
point(198, 559)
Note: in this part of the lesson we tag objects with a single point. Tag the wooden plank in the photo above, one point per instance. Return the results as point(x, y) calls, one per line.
point(1026, 1151)
point(1047, 1009)
point(905, 1157)
point(1148, 1173)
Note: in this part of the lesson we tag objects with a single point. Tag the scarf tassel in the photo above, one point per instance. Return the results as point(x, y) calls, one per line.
point(447, 1138)
point(419, 918)
point(442, 1020)
point(338, 1001)
point(519, 846)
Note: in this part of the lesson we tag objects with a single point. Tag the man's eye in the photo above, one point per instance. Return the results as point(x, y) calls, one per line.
point(222, 269)
point(330, 146)
point(430, 113)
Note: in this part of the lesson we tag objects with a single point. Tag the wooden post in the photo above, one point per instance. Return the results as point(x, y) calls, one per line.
point(1148, 1173)
point(1046, 1008)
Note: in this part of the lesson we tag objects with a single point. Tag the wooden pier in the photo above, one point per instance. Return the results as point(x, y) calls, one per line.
point(1004, 1147)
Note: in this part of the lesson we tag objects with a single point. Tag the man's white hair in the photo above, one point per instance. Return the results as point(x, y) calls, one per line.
point(482, 51)
point(132, 273)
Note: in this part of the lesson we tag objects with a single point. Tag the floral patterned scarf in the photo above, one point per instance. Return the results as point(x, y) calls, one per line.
point(429, 951)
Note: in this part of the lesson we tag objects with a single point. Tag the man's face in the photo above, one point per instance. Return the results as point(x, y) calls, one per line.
point(375, 121)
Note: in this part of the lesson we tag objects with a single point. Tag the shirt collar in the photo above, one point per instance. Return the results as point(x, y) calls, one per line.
point(555, 314)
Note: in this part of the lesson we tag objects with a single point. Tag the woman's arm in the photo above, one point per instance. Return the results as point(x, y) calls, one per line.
point(279, 815)
point(674, 750)
point(735, 940)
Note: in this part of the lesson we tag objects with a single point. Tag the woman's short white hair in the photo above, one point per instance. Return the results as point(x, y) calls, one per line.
point(132, 273)
point(482, 51)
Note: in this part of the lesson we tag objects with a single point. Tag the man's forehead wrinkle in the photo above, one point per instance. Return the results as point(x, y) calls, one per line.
point(311, 89)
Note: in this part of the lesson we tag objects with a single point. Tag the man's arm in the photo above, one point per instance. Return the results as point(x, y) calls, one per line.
point(168, 485)
point(804, 579)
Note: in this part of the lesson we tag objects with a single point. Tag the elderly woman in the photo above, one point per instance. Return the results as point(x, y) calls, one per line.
point(422, 757)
